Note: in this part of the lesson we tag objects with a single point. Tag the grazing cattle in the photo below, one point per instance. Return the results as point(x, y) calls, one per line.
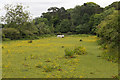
point(61, 36)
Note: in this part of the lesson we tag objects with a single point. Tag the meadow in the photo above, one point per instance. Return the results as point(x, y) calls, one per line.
point(45, 58)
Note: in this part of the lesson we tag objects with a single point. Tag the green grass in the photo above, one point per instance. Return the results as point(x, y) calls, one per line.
point(44, 58)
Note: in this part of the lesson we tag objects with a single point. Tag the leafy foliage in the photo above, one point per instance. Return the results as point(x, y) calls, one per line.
point(69, 53)
point(11, 33)
point(80, 50)
point(96, 19)
point(18, 23)
point(16, 17)
point(82, 13)
point(65, 26)
point(108, 31)
point(82, 29)
point(115, 5)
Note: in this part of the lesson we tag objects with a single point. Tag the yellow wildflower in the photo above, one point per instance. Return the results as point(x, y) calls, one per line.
point(81, 76)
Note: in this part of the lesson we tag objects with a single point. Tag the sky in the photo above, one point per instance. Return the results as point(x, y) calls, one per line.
point(37, 7)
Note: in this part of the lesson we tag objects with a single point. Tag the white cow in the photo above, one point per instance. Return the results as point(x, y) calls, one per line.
point(61, 36)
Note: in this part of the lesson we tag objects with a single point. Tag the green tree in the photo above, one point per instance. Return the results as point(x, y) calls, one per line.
point(116, 5)
point(53, 9)
point(39, 20)
point(10, 33)
point(70, 12)
point(65, 26)
point(16, 16)
point(55, 16)
point(81, 14)
point(96, 19)
point(63, 14)
point(82, 29)
point(43, 28)
point(108, 30)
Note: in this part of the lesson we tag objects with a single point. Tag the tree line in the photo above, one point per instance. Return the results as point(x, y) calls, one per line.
point(88, 18)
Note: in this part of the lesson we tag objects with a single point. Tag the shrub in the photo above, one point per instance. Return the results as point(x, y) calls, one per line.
point(80, 50)
point(3, 36)
point(59, 33)
point(6, 39)
point(108, 32)
point(26, 33)
point(110, 55)
point(69, 33)
point(69, 53)
point(11, 33)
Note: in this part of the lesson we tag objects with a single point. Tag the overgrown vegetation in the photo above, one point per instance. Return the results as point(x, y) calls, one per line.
point(69, 53)
point(108, 31)
point(80, 50)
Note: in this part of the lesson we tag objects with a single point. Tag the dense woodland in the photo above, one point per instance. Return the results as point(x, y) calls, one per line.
point(88, 18)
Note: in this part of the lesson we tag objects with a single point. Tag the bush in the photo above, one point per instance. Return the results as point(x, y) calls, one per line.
point(59, 33)
point(69, 53)
point(10, 33)
point(6, 39)
point(77, 50)
point(26, 34)
point(108, 32)
point(69, 33)
point(3, 36)
point(110, 55)
point(80, 50)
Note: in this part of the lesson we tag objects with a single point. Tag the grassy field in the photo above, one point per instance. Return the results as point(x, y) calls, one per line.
point(44, 58)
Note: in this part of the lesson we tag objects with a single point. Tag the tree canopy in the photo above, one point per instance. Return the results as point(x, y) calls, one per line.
point(82, 19)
